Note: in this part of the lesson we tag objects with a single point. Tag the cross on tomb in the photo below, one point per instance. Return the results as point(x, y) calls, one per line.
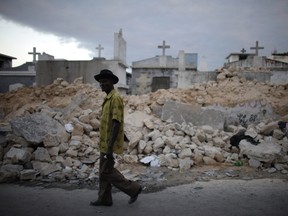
point(163, 47)
point(243, 50)
point(34, 53)
point(256, 48)
point(99, 48)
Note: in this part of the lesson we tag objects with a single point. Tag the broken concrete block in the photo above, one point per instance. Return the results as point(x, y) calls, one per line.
point(141, 146)
point(10, 172)
point(63, 147)
point(166, 150)
point(37, 165)
point(20, 155)
point(78, 130)
point(209, 161)
point(84, 118)
point(53, 151)
point(254, 163)
point(208, 129)
point(71, 152)
point(75, 143)
point(180, 112)
point(200, 135)
point(148, 123)
point(130, 158)
point(95, 123)
point(135, 139)
point(278, 134)
point(185, 153)
point(36, 126)
point(50, 140)
point(269, 128)
point(158, 143)
point(42, 154)
point(28, 174)
point(50, 168)
point(185, 164)
point(265, 151)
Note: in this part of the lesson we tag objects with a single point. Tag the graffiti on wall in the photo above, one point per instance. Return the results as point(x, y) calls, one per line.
point(245, 119)
point(256, 110)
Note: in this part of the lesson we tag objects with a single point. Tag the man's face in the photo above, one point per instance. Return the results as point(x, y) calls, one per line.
point(106, 85)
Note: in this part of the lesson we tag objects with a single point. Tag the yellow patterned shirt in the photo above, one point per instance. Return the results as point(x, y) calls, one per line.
point(112, 108)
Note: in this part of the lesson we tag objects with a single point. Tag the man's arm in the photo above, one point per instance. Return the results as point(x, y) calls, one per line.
point(115, 131)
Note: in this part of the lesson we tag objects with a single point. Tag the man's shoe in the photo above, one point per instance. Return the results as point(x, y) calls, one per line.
point(134, 198)
point(99, 203)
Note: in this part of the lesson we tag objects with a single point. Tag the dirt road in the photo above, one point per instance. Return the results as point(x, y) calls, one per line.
point(215, 197)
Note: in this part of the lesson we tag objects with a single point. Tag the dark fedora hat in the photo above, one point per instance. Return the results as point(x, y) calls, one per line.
point(106, 74)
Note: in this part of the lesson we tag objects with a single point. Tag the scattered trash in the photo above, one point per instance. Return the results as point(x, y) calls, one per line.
point(69, 127)
point(152, 160)
point(148, 159)
point(238, 163)
point(232, 173)
point(155, 163)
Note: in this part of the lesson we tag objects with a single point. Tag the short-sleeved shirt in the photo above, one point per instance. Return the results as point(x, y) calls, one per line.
point(112, 108)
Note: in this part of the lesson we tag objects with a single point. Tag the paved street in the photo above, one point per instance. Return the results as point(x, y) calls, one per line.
point(216, 197)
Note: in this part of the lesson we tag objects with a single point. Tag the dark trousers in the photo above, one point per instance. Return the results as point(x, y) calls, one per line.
point(108, 176)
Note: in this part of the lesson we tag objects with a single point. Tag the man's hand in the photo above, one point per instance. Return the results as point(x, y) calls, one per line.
point(114, 133)
point(109, 150)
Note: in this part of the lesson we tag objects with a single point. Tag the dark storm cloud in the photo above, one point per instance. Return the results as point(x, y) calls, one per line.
point(211, 28)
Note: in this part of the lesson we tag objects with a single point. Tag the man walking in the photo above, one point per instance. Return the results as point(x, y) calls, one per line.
point(111, 141)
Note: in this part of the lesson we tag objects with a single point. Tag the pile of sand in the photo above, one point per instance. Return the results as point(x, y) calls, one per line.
point(228, 91)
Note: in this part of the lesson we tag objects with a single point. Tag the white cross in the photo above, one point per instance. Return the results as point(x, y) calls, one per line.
point(256, 48)
point(99, 48)
point(34, 53)
point(163, 47)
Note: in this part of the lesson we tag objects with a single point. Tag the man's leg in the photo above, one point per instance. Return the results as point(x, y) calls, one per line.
point(104, 193)
point(129, 187)
point(114, 177)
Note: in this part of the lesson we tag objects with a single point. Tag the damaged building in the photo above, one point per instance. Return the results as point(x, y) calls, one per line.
point(49, 70)
point(14, 77)
point(162, 72)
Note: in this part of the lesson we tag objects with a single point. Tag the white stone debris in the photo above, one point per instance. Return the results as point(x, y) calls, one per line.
point(55, 136)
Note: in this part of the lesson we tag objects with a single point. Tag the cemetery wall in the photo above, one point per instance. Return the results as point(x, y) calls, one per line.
point(185, 78)
point(10, 78)
point(141, 82)
point(48, 71)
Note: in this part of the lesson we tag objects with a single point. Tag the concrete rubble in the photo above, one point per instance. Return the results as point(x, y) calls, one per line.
point(51, 133)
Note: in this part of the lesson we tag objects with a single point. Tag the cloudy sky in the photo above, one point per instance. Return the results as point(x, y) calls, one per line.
point(72, 29)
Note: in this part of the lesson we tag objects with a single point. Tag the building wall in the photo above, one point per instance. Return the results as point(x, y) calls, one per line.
point(157, 62)
point(187, 78)
point(257, 62)
point(191, 60)
point(141, 81)
point(144, 71)
point(5, 63)
point(142, 78)
point(263, 77)
point(233, 58)
point(283, 58)
point(272, 77)
point(48, 71)
point(14, 77)
point(7, 80)
point(120, 47)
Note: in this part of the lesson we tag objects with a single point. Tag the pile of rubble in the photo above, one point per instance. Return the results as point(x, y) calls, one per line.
point(51, 133)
